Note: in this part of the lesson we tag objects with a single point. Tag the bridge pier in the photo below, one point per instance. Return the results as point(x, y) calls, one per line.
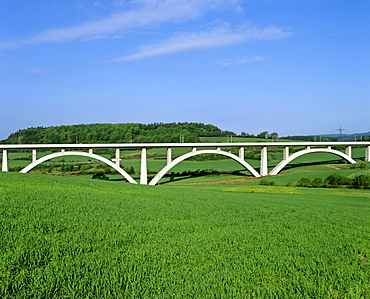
point(241, 153)
point(169, 155)
point(34, 156)
point(117, 157)
point(286, 153)
point(367, 154)
point(4, 166)
point(349, 151)
point(264, 168)
point(143, 168)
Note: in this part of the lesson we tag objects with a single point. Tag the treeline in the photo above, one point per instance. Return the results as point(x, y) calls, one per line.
point(361, 181)
point(117, 133)
point(308, 138)
point(327, 138)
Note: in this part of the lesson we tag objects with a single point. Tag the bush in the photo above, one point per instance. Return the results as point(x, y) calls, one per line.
point(335, 180)
point(267, 182)
point(129, 170)
point(100, 176)
point(15, 168)
point(317, 182)
point(361, 181)
point(361, 165)
point(108, 170)
point(304, 182)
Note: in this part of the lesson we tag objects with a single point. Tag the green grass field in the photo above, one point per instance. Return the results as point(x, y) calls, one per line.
point(73, 237)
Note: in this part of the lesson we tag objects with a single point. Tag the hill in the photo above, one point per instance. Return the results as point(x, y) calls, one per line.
point(116, 133)
point(348, 137)
point(330, 137)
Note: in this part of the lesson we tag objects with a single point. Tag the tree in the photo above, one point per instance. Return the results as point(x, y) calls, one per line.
point(274, 136)
point(317, 182)
point(335, 180)
point(361, 181)
point(263, 135)
point(304, 182)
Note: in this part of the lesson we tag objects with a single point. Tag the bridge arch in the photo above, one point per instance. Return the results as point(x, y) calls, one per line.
point(72, 153)
point(285, 162)
point(165, 169)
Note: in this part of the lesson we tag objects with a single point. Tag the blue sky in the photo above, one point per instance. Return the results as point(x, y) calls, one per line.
point(286, 66)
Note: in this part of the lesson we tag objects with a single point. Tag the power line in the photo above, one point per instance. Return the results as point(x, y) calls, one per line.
point(340, 132)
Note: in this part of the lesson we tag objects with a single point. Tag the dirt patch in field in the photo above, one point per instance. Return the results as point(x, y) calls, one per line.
point(223, 182)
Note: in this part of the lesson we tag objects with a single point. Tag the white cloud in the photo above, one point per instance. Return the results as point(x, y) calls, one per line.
point(140, 13)
point(38, 70)
point(224, 63)
point(217, 37)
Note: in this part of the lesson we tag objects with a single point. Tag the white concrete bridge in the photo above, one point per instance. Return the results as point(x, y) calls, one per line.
point(195, 149)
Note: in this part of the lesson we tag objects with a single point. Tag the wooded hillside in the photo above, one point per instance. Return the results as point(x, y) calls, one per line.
point(116, 133)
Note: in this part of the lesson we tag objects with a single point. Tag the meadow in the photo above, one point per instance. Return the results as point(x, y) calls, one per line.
point(73, 237)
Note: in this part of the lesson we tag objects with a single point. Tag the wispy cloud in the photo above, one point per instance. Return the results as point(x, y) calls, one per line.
point(138, 14)
point(37, 70)
point(225, 63)
point(221, 36)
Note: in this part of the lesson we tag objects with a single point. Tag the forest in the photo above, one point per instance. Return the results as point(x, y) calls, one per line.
point(116, 133)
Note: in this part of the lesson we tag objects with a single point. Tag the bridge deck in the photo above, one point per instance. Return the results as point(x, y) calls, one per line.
point(189, 145)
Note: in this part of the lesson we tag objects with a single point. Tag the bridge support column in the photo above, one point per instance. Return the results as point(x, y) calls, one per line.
point(241, 153)
point(4, 166)
point(194, 149)
point(286, 153)
point(117, 156)
point(169, 155)
point(367, 154)
point(90, 151)
point(349, 151)
point(143, 168)
point(264, 168)
point(34, 156)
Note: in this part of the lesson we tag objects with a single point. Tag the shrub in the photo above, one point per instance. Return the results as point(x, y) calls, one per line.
point(100, 176)
point(304, 182)
point(361, 165)
point(361, 181)
point(335, 180)
point(317, 182)
point(267, 182)
point(15, 169)
point(129, 170)
point(108, 170)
